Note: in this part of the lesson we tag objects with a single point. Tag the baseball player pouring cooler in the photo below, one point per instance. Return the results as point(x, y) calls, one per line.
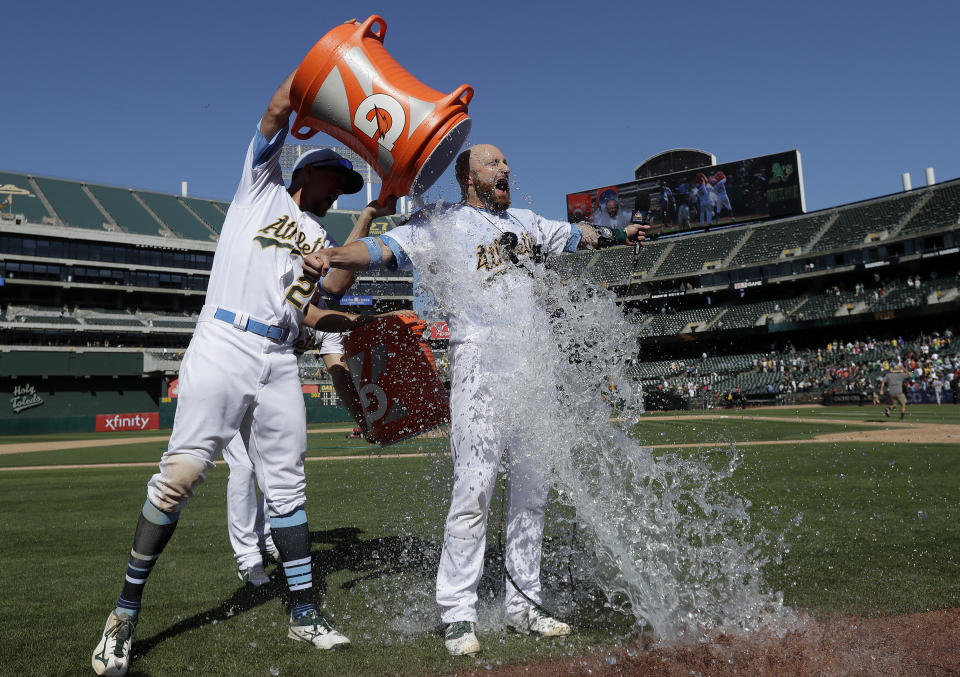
point(239, 373)
point(481, 233)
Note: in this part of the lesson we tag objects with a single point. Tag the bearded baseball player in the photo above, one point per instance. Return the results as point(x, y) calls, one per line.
point(482, 233)
point(249, 532)
point(239, 373)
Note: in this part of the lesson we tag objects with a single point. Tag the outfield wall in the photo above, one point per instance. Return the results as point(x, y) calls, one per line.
point(32, 405)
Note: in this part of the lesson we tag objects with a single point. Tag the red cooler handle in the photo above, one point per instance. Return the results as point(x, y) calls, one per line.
point(462, 95)
point(297, 130)
point(381, 32)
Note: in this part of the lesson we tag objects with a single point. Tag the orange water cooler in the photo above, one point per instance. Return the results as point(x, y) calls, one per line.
point(349, 87)
point(395, 374)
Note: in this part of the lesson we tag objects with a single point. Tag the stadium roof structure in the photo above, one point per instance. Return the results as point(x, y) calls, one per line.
point(39, 205)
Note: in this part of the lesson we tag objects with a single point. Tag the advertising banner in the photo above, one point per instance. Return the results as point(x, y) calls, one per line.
point(111, 423)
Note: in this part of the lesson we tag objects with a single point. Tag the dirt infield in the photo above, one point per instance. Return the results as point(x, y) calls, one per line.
point(915, 645)
point(27, 447)
point(892, 431)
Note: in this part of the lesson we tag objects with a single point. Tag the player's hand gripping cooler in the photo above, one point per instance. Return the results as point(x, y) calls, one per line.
point(349, 87)
point(397, 379)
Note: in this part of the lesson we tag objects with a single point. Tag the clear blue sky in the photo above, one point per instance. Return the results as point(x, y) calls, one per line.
point(576, 94)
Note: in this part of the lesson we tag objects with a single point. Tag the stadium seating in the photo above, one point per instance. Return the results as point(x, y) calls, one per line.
point(28, 204)
point(208, 211)
point(40, 315)
point(900, 296)
point(126, 211)
point(855, 223)
point(690, 254)
point(176, 217)
point(747, 315)
point(820, 306)
point(71, 203)
point(113, 321)
point(570, 266)
point(768, 241)
point(942, 209)
point(614, 265)
point(677, 323)
point(167, 321)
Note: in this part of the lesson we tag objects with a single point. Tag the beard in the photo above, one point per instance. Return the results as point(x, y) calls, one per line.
point(495, 195)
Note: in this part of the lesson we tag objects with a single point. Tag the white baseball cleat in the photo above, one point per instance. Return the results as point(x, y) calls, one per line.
point(533, 621)
point(112, 655)
point(255, 576)
point(315, 628)
point(460, 638)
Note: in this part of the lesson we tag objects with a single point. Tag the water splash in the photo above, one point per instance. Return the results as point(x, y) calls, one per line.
point(668, 537)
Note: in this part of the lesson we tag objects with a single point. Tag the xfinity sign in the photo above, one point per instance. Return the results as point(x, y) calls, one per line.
point(109, 423)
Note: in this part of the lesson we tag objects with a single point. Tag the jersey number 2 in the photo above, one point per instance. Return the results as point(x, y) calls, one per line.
point(301, 293)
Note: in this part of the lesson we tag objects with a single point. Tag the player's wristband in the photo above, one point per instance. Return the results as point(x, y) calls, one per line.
point(376, 253)
point(609, 237)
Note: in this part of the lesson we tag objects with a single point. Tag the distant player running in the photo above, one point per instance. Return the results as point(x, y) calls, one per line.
point(892, 384)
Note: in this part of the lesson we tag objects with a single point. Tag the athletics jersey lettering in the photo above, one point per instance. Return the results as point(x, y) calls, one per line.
point(286, 234)
point(490, 256)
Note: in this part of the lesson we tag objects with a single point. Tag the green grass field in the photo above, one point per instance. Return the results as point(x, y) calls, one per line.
point(879, 534)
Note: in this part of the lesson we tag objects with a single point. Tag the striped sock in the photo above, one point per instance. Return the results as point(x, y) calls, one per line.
point(154, 529)
point(292, 538)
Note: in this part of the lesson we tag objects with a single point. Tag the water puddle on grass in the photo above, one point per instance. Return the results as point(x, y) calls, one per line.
point(663, 536)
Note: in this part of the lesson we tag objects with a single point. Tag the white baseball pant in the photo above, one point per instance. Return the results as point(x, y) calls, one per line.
point(477, 442)
point(246, 525)
point(231, 381)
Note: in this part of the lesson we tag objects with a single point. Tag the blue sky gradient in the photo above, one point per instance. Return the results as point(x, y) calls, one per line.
point(576, 94)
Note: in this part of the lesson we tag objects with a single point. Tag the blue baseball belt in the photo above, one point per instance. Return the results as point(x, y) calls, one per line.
point(272, 332)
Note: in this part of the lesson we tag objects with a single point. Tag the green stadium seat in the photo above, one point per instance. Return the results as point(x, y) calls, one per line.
point(126, 211)
point(942, 209)
point(175, 216)
point(855, 223)
point(71, 203)
point(691, 253)
point(208, 211)
point(768, 241)
point(23, 198)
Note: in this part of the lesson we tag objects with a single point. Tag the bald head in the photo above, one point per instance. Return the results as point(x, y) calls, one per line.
point(484, 177)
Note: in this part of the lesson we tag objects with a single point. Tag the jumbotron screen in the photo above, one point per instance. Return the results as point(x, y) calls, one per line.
point(733, 192)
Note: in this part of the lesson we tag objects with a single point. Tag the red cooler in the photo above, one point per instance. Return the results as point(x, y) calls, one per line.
point(397, 379)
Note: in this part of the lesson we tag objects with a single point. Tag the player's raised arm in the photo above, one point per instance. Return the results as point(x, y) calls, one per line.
point(356, 256)
point(372, 211)
point(339, 280)
point(277, 115)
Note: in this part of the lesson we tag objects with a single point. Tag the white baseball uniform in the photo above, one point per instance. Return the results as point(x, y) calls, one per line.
point(246, 526)
point(723, 200)
point(706, 197)
point(239, 373)
point(478, 438)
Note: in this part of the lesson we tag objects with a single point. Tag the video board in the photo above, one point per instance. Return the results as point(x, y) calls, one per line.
point(754, 189)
